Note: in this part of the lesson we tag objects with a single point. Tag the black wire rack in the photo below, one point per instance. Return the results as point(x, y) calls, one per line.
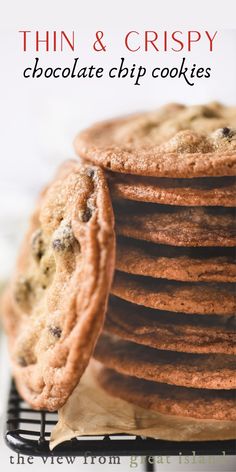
point(28, 431)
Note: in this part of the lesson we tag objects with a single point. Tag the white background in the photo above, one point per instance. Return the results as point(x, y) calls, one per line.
point(39, 118)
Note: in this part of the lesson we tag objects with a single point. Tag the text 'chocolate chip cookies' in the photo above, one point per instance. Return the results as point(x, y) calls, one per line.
point(55, 306)
point(171, 317)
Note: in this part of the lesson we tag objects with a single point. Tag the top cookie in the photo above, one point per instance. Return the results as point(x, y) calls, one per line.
point(174, 141)
point(54, 308)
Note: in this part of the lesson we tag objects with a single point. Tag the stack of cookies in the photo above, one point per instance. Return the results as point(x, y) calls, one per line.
point(168, 342)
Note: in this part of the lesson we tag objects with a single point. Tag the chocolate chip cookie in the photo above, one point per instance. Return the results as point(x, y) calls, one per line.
point(170, 399)
point(177, 226)
point(174, 141)
point(176, 263)
point(55, 306)
point(211, 371)
point(171, 331)
point(215, 191)
point(196, 298)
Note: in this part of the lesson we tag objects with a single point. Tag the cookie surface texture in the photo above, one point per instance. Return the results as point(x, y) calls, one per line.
point(169, 399)
point(176, 263)
point(55, 305)
point(196, 298)
point(212, 371)
point(171, 331)
point(215, 191)
point(160, 224)
point(174, 141)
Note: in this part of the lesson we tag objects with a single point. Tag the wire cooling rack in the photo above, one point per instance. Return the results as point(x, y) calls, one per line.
point(28, 431)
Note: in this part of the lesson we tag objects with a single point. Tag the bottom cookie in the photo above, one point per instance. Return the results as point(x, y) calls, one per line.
point(169, 399)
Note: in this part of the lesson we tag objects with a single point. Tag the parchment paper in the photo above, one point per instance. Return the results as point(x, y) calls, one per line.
point(91, 411)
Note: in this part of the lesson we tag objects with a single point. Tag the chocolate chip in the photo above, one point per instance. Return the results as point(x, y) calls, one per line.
point(228, 132)
point(55, 331)
point(209, 113)
point(90, 172)
point(21, 361)
point(22, 290)
point(222, 134)
point(225, 132)
point(85, 215)
point(37, 244)
point(58, 245)
point(63, 237)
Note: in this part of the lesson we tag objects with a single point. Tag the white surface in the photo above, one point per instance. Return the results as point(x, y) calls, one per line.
point(41, 118)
